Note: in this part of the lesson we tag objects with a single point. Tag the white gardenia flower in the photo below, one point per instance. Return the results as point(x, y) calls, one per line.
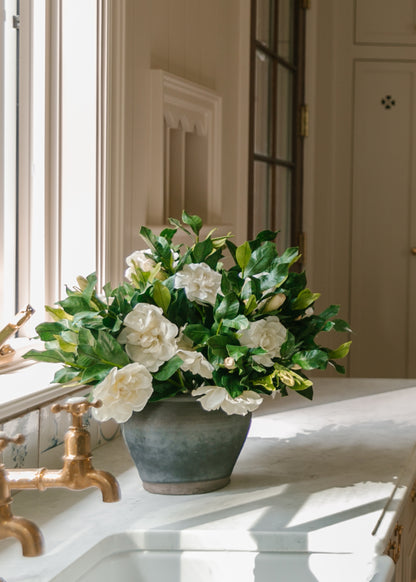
point(215, 397)
point(123, 391)
point(201, 283)
point(267, 333)
point(193, 361)
point(196, 363)
point(149, 336)
point(139, 260)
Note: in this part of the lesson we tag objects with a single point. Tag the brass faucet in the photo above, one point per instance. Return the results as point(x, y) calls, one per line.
point(24, 530)
point(77, 472)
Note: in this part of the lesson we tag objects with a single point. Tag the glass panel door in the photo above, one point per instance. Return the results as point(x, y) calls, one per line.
point(277, 81)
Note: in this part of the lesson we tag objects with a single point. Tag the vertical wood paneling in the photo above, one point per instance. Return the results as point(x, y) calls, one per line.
point(193, 26)
point(159, 34)
point(177, 22)
point(209, 43)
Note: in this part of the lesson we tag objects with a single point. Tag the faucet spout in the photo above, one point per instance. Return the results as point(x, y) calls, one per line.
point(107, 483)
point(23, 530)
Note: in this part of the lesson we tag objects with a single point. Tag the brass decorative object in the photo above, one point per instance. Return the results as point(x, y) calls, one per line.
point(6, 351)
point(394, 546)
point(77, 474)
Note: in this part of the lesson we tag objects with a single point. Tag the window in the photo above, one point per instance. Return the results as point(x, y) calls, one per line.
point(49, 154)
point(277, 92)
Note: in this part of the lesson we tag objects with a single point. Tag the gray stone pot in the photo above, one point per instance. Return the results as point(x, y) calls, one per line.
point(180, 449)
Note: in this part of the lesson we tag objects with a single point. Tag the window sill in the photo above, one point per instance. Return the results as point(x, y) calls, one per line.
point(27, 388)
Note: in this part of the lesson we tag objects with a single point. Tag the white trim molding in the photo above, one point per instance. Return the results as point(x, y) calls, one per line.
point(192, 110)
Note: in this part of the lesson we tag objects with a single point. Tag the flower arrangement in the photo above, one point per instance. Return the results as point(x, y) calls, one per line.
point(182, 323)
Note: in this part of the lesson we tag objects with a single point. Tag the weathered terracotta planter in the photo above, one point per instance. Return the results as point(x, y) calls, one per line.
point(181, 449)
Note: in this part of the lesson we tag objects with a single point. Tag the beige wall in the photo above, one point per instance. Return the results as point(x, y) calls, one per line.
point(206, 43)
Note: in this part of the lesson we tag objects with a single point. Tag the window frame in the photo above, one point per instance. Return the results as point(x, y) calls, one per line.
point(296, 163)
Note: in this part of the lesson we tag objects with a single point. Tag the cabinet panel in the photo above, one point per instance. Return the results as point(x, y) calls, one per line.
point(385, 22)
point(383, 180)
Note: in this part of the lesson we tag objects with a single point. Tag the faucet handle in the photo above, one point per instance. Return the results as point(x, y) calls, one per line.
point(76, 406)
point(18, 439)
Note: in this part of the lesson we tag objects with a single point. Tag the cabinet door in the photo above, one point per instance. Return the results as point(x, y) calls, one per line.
point(385, 22)
point(383, 273)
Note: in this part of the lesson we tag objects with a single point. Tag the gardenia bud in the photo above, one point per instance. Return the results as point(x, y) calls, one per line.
point(286, 378)
point(274, 303)
point(82, 282)
point(229, 363)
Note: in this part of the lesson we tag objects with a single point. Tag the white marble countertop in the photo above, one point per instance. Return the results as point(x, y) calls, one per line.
point(326, 476)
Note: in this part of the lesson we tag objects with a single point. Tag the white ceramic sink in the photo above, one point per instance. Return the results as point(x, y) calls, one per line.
point(128, 563)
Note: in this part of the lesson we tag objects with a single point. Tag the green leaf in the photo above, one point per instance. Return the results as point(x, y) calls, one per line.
point(341, 325)
point(232, 248)
point(162, 247)
point(305, 299)
point(53, 356)
point(168, 234)
point(275, 277)
point(201, 250)
point(193, 221)
point(242, 255)
point(66, 346)
point(161, 295)
point(95, 373)
point(85, 337)
point(311, 359)
point(110, 351)
point(261, 259)
point(90, 288)
point(49, 330)
point(237, 352)
point(220, 342)
point(330, 312)
point(251, 287)
point(329, 326)
point(148, 236)
point(239, 322)
point(87, 357)
point(340, 352)
point(75, 304)
point(58, 313)
point(198, 333)
point(267, 235)
point(107, 290)
point(168, 369)
point(177, 223)
point(307, 392)
point(65, 375)
point(250, 304)
point(92, 319)
point(289, 256)
point(212, 259)
point(289, 346)
point(228, 307)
